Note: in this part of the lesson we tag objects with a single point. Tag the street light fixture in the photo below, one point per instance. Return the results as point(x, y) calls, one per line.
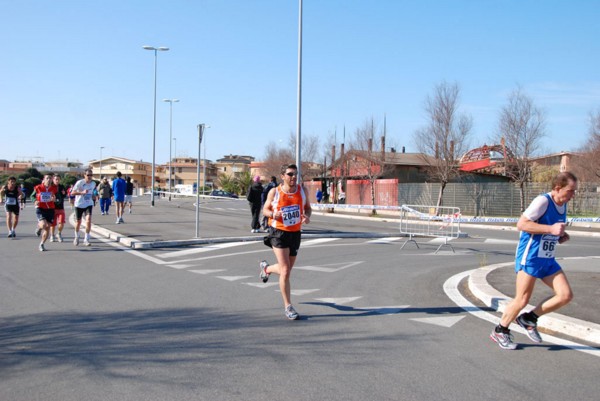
point(170, 101)
point(100, 174)
point(156, 50)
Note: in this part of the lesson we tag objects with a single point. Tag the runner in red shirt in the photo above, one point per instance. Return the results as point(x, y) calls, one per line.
point(45, 195)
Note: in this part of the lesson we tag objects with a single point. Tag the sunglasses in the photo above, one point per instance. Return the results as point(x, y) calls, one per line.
point(290, 174)
point(89, 175)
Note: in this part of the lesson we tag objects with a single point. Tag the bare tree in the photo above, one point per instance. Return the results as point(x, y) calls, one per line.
point(522, 127)
point(445, 136)
point(587, 166)
point(365, 158)
point(278, 155)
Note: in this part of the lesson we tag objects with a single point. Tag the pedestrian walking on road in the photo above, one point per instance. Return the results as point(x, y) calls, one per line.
point(119, 186)
point(105, 193)
point(45, 195)
point(129, 193)
point(83, 190)
point(287, 208)
point(254, 197)
point(11, 194)
point(542, 227)
point(263, 198)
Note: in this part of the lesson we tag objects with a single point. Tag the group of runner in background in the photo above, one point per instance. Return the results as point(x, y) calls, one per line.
point(49, 197)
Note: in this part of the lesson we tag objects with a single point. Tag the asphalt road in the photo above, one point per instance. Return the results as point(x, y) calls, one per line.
point(195, 323)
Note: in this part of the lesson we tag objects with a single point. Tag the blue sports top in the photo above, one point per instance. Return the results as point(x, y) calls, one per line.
point(538, 249)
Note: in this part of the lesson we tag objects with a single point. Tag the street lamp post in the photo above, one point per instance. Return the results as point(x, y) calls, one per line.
point(200, 134)
point(100, 174)
point(175, 151)
point(170, 101)
point(156, 50)
point(204, 163)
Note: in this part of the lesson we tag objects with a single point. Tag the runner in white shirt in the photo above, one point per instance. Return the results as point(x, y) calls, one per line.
point(84, 202)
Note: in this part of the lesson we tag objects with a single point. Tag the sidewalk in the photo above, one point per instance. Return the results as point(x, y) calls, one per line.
point(169, 224)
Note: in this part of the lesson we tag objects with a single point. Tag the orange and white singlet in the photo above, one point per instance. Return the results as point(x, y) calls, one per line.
point(291, 206)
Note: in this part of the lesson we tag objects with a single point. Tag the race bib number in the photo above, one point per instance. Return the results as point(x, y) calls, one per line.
point(547, 246)
point(45, 196)
point(87, 197)
point(290, 215)
point(11, 201)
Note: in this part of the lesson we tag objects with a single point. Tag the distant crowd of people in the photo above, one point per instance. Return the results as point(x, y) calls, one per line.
point(49, 197)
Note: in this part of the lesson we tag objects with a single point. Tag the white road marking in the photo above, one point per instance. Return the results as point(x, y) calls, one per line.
point(206, 248)
point(233, 278)
point(262, 285)
point(386, 240)
point(317, 241)
point(208, 271)
point(325, 269)
point(338, 301)
point(446, 321)
point(180, 267)
point(451, 290)
point(302, 292)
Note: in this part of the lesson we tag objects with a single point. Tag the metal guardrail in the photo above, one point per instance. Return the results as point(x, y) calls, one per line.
point(430, 221)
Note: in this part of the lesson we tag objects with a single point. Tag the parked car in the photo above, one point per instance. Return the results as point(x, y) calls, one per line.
point(220, 192)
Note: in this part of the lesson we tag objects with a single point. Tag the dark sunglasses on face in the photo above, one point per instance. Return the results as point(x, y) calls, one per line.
point(290, 174)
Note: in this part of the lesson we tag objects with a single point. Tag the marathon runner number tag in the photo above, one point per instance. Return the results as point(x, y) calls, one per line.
point(11, 201)
point(87, 197)
point(547, 246)
point(45, 196)
point(290, 215)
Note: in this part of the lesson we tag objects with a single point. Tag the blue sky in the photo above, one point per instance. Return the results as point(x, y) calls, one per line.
point(74, 76)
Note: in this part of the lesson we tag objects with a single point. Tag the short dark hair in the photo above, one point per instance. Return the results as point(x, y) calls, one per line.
point(288, 166)
point(561, 180)
point(118, 174)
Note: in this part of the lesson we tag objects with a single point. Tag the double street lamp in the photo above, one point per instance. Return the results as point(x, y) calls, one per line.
point(156, 50)
point(170, 101)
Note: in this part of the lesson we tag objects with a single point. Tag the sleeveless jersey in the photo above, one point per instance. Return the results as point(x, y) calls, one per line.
point(291, 206)
point(538, 249)
point(11, 196)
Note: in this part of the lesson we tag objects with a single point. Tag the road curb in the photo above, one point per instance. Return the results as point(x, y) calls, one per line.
point(576, 328)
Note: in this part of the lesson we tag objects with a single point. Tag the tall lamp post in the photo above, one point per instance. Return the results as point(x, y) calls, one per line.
point(170, 101)
point(175, 151)
point(200, 134)
point(204, 163)
point(156, 50)
point(100, 174)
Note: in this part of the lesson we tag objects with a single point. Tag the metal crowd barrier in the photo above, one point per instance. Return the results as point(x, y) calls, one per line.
point(430, 221)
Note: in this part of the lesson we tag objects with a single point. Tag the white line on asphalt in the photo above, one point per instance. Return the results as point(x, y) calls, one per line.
point(206, 248)
point(451, 290)
point(317, 241)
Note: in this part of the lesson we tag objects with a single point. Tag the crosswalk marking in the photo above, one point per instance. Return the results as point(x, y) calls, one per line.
point(317, 241)
point(233, 278)
point(206, 248)
point(208, 271)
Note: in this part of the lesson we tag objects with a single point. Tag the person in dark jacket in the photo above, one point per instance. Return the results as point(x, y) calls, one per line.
point(255, 198)
point(271, 185)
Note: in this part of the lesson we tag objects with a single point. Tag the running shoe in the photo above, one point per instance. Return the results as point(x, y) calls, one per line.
point(264, 276)
point(38, 231)
point(530, 328)
point(9, 234)
point(121, 220)
point(14, 234)
point(59, 237)
point(504, 340)
point(118, 221)
point(86, 242)
point(291, 313)
point(76, 241)
point(52, 238)
point(42, 249)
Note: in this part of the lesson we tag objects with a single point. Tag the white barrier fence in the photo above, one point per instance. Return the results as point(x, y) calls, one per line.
point(430, 221)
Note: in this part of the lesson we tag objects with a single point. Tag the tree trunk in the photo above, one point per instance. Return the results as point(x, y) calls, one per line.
point(373, 211)
point(441, 194)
